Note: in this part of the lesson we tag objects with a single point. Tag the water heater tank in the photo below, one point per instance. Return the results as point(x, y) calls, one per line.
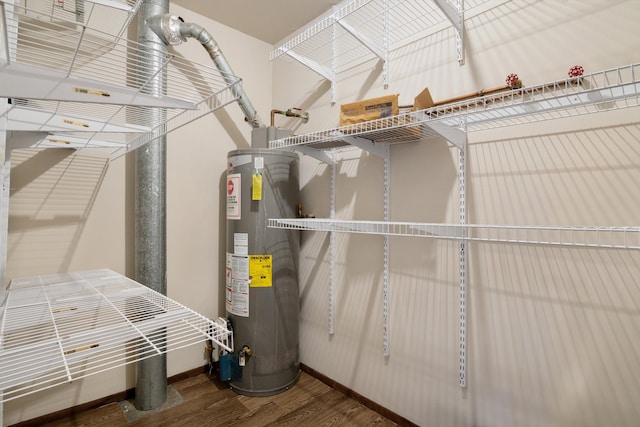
point(262, 297)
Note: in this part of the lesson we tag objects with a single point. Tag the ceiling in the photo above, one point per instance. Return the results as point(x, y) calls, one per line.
point(269, 21)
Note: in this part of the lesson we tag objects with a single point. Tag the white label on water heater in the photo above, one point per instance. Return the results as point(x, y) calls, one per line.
point(238, 292)
point(258, 163)
point(241, 243)
point(233, 196)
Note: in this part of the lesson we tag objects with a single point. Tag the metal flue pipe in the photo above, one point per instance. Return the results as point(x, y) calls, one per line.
point(156, 30)
point(150, 204)
point(173, 31)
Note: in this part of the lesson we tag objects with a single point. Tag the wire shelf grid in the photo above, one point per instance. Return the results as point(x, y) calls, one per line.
point(116, 15)
point(61, 327)
point(611, 89)
point(87, 82)
point(624, 237)
point(397, 129)
point(342, 50)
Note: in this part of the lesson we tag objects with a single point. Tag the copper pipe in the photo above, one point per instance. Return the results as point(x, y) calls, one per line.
point(291, 112)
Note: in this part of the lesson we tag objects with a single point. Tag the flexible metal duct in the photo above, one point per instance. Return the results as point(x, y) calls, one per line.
point(173, 31)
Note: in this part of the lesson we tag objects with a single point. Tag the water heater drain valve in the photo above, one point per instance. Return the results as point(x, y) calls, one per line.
point(244, 353)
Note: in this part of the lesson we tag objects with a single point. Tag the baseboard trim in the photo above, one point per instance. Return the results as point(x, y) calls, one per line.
point(114, 398)
point(129, 394)
point(388, 414)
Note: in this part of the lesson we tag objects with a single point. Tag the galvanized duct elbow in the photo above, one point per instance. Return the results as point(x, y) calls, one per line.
point(173, 31)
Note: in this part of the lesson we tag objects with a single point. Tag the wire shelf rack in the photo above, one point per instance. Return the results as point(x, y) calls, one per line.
point(627, 237)
point(72, 82)
point(61, 327)
point(110, 15)
point(397, 129)
point(387, 23)
point(607, 90)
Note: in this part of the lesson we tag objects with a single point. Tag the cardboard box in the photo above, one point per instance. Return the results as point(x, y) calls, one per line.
point(368, 109)
point(423, 100)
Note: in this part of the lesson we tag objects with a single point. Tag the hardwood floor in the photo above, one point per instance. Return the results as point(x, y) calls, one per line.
point(208, 402)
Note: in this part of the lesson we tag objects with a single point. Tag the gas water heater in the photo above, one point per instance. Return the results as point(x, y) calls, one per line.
point(262, 297)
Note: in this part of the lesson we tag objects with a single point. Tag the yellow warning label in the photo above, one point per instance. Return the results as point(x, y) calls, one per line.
point(256, 193)
point(260, 268)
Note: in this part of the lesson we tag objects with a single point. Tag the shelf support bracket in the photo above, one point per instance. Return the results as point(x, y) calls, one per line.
point(25, 139)
point(365, 40)
point(316, 154)
point(454, 135)
point(455, 15)
point(381, 52)
point(366, 145)
point(313, 65)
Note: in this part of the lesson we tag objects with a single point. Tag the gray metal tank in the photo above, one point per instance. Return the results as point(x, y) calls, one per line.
point(262, 297)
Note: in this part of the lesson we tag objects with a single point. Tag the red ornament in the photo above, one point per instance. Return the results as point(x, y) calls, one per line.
point(513, 81)
point(576, 71)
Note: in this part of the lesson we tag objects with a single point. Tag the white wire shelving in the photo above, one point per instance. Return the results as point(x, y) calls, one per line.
point(74, 86)
point(361, 30)
point(113, 15)
point(607, 90)
point(61, 327)
point(74, 80)
point(625, 237)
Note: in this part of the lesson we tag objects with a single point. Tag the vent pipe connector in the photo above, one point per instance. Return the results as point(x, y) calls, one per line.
point(172, 30)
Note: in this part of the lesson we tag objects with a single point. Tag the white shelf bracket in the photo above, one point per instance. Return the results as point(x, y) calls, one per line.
point(367, 145)
point(454, 135)
point(316, 154)
point(455, 15)
point(377, 50)
point(381, 52)
point(23, 139)
point(313, 65)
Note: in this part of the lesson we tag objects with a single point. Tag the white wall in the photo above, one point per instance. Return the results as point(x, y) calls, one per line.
point(551, 331)
point(49, 234)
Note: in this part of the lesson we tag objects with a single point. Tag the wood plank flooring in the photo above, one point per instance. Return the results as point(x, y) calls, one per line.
point(208, 402)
